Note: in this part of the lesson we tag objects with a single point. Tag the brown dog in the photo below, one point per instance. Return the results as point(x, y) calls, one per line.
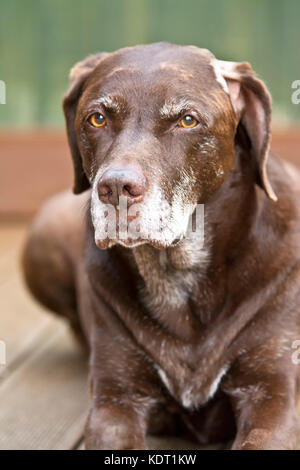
point(183, 335)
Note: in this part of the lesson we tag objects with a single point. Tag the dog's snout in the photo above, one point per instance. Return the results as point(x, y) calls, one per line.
point(117, 182)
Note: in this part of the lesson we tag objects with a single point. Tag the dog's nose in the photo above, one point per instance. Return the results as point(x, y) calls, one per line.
point(126, 181)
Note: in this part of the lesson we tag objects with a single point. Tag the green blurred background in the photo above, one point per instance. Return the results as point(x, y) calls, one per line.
point(41, 39)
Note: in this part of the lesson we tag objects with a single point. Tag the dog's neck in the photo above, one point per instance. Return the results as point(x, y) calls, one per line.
point(174, 277)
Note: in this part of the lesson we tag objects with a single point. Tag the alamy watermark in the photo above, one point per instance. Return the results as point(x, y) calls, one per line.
point(2, 92)
point(296, 354)
point(2, 353)
point(296, 94)
point(125, 221)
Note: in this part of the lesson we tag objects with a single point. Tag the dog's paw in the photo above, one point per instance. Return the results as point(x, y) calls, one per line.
point(108, 429)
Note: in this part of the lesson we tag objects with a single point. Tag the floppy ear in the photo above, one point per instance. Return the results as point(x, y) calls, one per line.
point(252, 104)
point(78, 75)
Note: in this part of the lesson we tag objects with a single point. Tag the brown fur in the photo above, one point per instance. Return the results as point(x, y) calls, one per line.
point(181, 338)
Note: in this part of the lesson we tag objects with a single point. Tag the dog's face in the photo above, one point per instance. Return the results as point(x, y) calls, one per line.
point(152, 131)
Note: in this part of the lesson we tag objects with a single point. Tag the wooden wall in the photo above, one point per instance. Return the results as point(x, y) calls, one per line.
point(37, 164)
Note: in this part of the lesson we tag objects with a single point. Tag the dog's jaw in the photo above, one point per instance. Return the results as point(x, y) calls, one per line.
point(153, 221)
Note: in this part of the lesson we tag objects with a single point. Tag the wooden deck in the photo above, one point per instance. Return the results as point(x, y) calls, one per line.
point(43, 386)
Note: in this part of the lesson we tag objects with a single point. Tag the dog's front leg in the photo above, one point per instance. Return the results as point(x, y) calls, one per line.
point(123, 393)
point(113, 426)
point(265, 408)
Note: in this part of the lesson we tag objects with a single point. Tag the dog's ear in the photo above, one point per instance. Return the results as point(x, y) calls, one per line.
point(78, 75)
point(252, 104)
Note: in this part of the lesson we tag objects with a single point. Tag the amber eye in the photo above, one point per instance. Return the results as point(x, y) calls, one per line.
point(188, 122)
point(97, 120)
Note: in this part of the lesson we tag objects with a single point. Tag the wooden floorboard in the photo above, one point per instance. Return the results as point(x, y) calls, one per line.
point(22, 320)
point(44, 402)
point(43, 385)
point(22, 323)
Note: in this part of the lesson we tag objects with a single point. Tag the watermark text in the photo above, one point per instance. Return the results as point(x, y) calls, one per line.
point(296, 94)
point(2, 353)
point(2, 92)
point(296, 354)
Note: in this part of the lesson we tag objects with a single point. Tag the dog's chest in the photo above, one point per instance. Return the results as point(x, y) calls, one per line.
point(192, 386)
point(191, 377)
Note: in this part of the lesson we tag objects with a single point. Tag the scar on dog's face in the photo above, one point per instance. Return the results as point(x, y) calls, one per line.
point(153, 127)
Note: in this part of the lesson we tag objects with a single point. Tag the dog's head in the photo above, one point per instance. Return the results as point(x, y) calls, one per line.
point(153, 130)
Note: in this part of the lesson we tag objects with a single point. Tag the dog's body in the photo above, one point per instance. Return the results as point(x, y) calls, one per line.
point(182, 336)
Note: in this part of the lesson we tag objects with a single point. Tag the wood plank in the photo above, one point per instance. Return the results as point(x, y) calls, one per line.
point(44, 402)
point(22, 322)
point(11, 236)
point(170, 443)
point(26, 328)
point(11, 243)
point(45, 166)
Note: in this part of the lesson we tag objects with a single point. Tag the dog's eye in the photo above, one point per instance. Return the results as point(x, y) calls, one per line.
point(188, 122)
point(97, 120)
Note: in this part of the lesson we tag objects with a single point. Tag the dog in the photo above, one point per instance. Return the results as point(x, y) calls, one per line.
point(188, 332)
